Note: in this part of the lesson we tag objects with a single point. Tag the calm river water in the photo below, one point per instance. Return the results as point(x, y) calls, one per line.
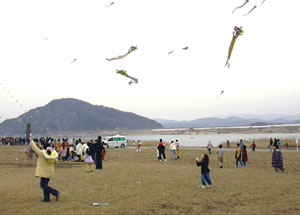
point(201, 140)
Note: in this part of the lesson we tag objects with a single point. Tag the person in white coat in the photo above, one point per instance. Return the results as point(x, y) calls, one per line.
point(79, 150)
point(173, 149)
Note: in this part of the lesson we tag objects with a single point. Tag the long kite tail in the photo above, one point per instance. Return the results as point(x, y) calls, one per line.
point(117, 58)
point(133, 79)
point(250, 10)
point(230, 50)
point(240, 6)
point(132, 48)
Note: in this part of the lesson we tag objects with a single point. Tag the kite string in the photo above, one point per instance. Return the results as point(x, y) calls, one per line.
point(5, 89)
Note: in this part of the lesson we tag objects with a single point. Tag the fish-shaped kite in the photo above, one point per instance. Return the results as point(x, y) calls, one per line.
point(132, 48)
point(185, 48)
point(251, 10)
point(237, 32)
point(171, 52)
point(123, 72)
point(240, 6)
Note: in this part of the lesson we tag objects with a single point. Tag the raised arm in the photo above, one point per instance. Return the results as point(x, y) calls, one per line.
point(35, 148)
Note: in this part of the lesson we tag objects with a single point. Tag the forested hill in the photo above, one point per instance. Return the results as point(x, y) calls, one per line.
point(72, 115)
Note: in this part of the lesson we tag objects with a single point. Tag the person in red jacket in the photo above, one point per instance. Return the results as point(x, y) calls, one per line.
point(253, 146)
point(161, 150)
point(245, 156)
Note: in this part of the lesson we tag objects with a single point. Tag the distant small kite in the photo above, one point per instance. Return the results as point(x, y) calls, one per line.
point(73, 61)
point(250, 10)
point(220, 94)
point(185, 48)
point(132, 48)
point(109, 4)
point(237, 32)
point(240, 6)
point(262, 2)
point(123, 72)
point(171, 52)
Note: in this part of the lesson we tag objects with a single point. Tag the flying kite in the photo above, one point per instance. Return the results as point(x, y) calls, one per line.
point(123, 72)
point(251, 10)
point(171, 52)
point(220, 94)
point(240, 6)
point(262, 2)
point(185, 48)
point(132, 48)
point(237, 32)
point(109, 4)
point(73, 61)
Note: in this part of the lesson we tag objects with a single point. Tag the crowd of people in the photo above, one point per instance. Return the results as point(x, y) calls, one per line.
point(49, 151)
point(75, 150)
point(11, 141)
point(174, 148)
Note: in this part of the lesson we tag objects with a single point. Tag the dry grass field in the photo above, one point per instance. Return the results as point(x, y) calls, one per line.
point(165, 187)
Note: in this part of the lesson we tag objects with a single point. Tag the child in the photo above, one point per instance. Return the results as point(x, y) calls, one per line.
point(172, 148)
point(209, 147)
point(238, 156)
point(178, 150)
point(220, 154)
point(253, 146)
point(205, 176)
point(139, 146)
point(277, 161)
point(245, 156)
point(88, 160)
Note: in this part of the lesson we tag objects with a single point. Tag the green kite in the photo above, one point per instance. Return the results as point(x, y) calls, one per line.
point(123, 72)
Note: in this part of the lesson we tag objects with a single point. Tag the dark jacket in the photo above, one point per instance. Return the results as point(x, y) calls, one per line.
point(204, 165)
point(161, 147)
point(277, 160)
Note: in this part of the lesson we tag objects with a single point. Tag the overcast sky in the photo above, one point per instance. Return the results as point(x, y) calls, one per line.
point(40, 38)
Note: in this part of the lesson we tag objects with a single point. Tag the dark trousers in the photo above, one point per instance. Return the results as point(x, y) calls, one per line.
point(98, 160)
point(161, 153)
point(47, 189)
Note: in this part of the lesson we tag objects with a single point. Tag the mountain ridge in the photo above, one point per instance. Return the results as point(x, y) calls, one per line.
point(226, 122)
point(73, 115)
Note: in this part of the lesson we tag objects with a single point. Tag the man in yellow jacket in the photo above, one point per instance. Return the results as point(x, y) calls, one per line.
point(45, 168)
